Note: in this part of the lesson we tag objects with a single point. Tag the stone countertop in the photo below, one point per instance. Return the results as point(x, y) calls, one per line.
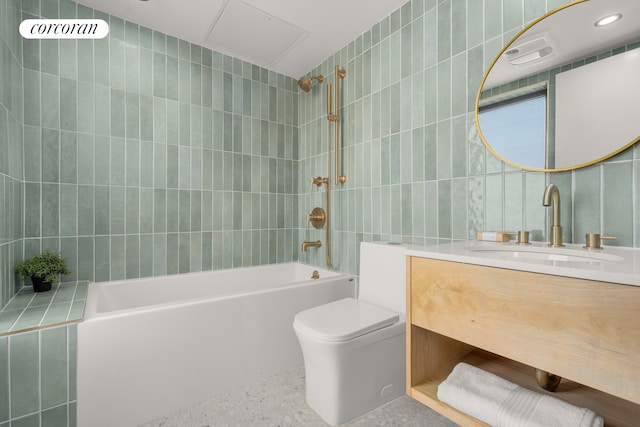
point(611, 264)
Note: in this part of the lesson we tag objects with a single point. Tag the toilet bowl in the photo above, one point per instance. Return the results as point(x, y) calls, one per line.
point(354, 349)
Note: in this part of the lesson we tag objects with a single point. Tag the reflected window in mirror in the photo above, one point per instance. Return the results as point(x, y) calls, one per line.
point(516, 125)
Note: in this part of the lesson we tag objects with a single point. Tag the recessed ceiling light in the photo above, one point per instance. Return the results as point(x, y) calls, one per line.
point(608, 20)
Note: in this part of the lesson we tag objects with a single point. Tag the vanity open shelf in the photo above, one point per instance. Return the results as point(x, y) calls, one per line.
point(510, 322)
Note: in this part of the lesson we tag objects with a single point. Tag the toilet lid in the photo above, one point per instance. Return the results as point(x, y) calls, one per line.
point(343, 320)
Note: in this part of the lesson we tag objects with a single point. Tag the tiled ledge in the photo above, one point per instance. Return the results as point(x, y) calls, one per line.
point(29, 310)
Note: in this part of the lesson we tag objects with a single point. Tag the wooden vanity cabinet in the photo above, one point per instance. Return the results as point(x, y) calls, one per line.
point(510, 322)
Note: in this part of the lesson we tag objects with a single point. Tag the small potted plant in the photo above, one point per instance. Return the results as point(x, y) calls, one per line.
point(44, 270)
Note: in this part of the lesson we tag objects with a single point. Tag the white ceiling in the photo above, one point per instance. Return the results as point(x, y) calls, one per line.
point(290, 37)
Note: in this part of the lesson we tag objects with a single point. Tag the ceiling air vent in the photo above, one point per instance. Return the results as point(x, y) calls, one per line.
point(530, 51)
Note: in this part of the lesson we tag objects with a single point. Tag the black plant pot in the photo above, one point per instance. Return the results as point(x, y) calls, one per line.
point(39, 285)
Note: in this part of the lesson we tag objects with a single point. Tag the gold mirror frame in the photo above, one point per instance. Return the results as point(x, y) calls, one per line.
point(486, 75)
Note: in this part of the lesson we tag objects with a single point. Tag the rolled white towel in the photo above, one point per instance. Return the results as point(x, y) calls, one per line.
point(501, 403)
point(475, 392)
point(526, 408)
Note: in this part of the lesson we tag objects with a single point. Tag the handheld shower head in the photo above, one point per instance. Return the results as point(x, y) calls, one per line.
point(305, 82)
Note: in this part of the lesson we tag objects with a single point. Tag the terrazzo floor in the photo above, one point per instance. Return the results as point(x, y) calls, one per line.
point(279, 402)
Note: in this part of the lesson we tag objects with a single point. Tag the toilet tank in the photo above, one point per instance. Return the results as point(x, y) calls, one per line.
point(383, 275)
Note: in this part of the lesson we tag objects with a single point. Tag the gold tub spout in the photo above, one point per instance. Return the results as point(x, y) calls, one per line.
point(306, 245)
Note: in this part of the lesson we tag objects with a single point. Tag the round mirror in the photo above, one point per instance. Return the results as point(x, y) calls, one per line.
point(564, 93)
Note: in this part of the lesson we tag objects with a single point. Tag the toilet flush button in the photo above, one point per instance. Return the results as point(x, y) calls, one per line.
point(386, 390)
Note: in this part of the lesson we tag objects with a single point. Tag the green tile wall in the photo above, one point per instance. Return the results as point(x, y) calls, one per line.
point(38, 377)
point(417, 170)
point(11, 147)
point(149, 155)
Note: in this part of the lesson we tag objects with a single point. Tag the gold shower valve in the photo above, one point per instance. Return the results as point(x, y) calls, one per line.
point(317, 218)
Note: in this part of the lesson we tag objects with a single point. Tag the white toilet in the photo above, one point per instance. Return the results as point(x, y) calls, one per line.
point(354, 349)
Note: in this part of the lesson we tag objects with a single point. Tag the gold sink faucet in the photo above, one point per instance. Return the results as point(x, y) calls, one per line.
point(552, 198)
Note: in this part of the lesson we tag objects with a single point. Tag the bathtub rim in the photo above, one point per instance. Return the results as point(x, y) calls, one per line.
point(91, 314)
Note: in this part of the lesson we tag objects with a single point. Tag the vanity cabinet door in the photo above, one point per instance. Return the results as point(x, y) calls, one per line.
point(582, 330)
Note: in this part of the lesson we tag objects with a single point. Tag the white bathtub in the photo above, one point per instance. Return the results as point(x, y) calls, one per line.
point(148, 347)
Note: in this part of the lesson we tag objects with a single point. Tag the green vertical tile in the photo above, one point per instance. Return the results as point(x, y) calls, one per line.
point(101, 61)
point(50, 155)
point(118, 110)
point(459, 208)
point(24, 371)
point(146, 210)
point(32, 220)
point(172, 211)
point(102, 259)
point(117, 210)
point(132, 66)
point(494, 196)
point(102, 110)
point(85, 159)
point(184, 210)
point(85, 60)
point(172, 77)
point(72, 336)
point(117, 265)
point(132, 257)
point(85, 108)
point(184, 135)
point(459, 85)
point(159, 74)
point(85, 258)
point(492, 19)
point(85, 209)
point(32, 147)
point(146, 164)
point(50, 107)
point(49, 57)
point(68, 157)
point(159, 211)
point(132, 115)
point(513, 201)
point(146, 70)
point(68, 210)
point(444, 31)
point(102, 216)
point(102, 160)
point(53, 366)
point(32, 91)
point(132, 162)
point(444, 209)
point(146, 255)
point(159, 254)
point(172, 250)
point(50, 210)
point(132, 217)
point(444, 149)
point(146, 118)
point(118, 162)
point(4, 379)
point(617, 202)
point(586, 200)
point(116, 62)
point(459, 147)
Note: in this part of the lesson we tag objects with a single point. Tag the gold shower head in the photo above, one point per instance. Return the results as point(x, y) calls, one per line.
point(305, 82)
